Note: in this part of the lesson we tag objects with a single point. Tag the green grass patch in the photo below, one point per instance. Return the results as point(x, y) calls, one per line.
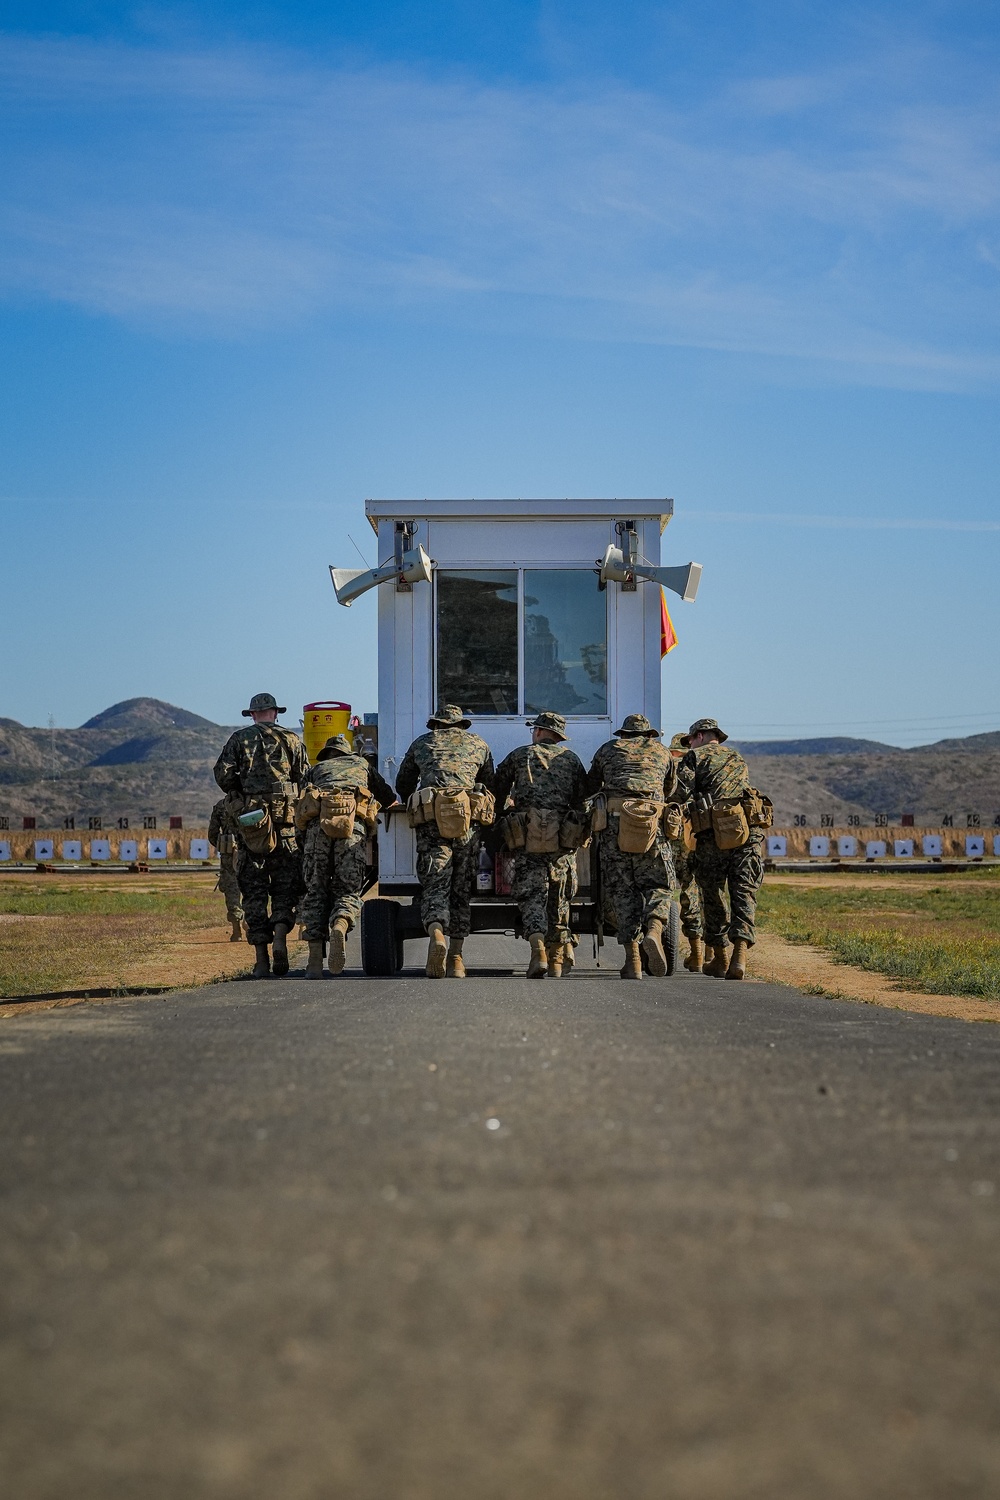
point(71, 936)
point(942, 939)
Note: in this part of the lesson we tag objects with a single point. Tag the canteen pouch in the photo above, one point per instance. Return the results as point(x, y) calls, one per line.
point(482, 806)
point(337, 814)
point(758, 808)
point(366, 807)
point(599, 813)
point(574, 830)
point(673, 821)
point(307, 808)
point(420, 807)
point(729, 825)
point(452, 813)
point(258, 838)
point(637, 825)
point(513, 830)
point(543, 831)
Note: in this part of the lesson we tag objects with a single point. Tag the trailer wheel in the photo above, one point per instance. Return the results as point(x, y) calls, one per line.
point(672, 937)
point(381, 945)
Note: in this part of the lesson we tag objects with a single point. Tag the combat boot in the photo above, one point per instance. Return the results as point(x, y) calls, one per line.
point(652, 946)
point(455, 968)
point(279, 950)
point(696, 957)
point(718, 963)
point(236, 936)
point(337, 956)
point(554, 952)
point(314, 968)
point(568, 956)
point(632, 967)
point(437, 951)
point(537, 964)
point(262, 967)
point(738, 962)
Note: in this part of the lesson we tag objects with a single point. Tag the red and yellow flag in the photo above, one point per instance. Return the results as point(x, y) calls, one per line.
point(668, 636)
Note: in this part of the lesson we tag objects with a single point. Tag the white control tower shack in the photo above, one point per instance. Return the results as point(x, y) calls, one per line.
point(509, 607)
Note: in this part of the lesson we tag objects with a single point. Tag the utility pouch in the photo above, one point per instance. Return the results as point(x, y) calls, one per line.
point(729, 825)
point(367, 807)
point(337, 813)
point(452, 813)
point(513, 830)
point(307, 808)
point(673, 821)
point(758, 808)
point(543, 831)
point(420, 807)
point(700, 818)
point(261, 837)
point(574, 830)
point(482, 806)
point(599, 813)
point(637, 825)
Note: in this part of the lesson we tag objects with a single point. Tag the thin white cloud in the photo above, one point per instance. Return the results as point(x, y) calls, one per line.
point(232, 188)
point(855, 523)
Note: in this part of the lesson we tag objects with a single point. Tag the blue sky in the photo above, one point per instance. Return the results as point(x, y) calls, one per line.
point(258, 262)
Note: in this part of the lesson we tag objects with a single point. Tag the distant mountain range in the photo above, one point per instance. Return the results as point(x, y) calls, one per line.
point(146, 758)
point(137, 759)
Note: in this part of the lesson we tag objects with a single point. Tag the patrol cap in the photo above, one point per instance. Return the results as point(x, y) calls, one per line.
point(636, 724)
point(708, 725)
point(449, 716)
point(337, 744)
point(260, 703)
point(555, 723)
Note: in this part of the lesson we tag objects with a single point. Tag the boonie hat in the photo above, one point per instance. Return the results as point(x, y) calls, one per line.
point(636, 724)
point(337, 744)
point(449, 716)
point(703, 724)
point(678, 741)
point(260, 703)
point(553, 722)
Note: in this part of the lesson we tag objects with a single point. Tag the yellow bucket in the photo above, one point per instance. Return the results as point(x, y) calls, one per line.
point(320, 720)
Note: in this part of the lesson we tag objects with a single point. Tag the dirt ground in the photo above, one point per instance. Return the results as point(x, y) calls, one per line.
point(777, 961)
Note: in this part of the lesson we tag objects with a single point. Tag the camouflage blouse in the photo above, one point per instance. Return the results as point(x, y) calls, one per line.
point(715, 771)
point(449, 758)
point(542, 776)
point(634, 764)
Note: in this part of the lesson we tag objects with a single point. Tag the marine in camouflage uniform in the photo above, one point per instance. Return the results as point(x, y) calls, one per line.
point(546, 773)
point(713, 772)
point(449, 757)
point(335, 869)
point(687, 882)
point(266, 762)
point(637, 887)
point(222, 838)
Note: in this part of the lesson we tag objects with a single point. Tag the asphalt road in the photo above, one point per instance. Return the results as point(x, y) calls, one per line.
point(405, 1240)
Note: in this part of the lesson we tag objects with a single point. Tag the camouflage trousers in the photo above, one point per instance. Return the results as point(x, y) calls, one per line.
point(543, 886)
point(269, 881)
point(446, 869)
point(334, 871)
point(690, 896)
point(635, 887)
point(229, 885)
point(738, 870)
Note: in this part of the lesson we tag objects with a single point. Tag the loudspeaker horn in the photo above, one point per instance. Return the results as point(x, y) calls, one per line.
point(682, 580)
point(350, 583)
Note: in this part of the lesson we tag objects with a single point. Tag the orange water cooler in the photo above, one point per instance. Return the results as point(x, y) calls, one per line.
point(319, 721)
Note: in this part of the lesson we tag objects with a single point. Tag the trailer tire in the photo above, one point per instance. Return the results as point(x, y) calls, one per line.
point(381, 944)
point(672, 937)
